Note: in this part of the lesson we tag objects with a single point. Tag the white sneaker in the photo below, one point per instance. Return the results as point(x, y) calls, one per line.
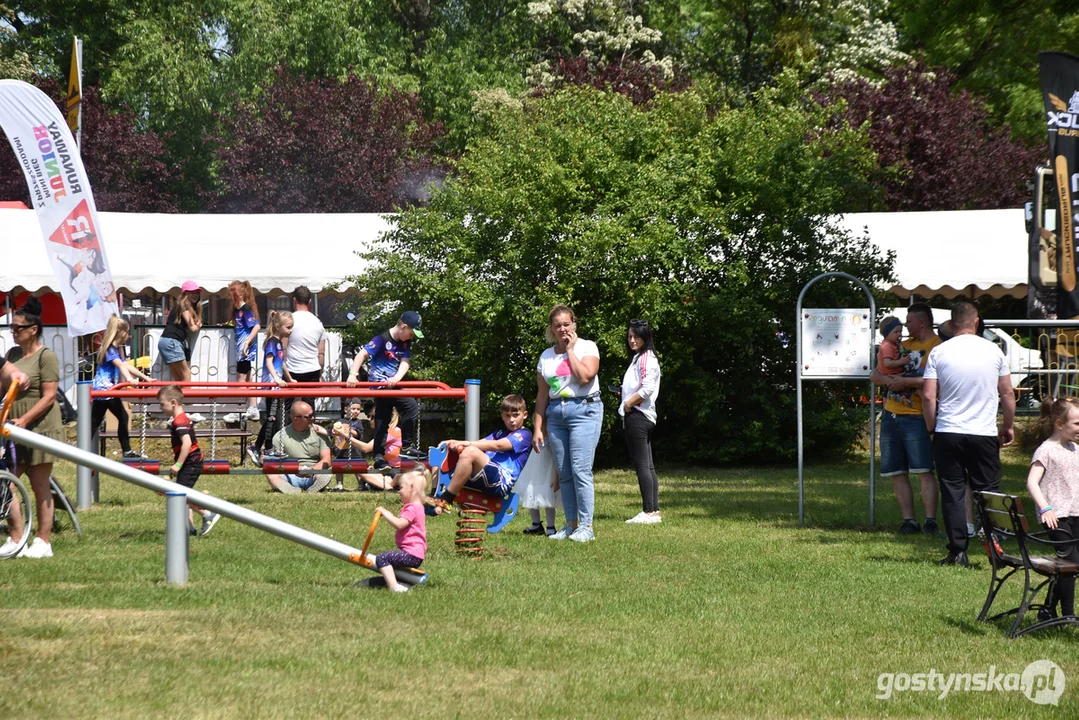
point(252, 413)
point(8, 547)
point(37, 550)
point(286, 489)
point(196, 418)
point(638, 519)
point(651, 520)
point(208, 522)
point(400, 588)
point(321, 481)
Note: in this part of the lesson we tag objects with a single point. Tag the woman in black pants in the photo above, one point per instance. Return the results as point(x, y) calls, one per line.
point(640, 388)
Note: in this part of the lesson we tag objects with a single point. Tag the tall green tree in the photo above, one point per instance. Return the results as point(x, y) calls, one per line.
point(992, 47)
point(702, 222)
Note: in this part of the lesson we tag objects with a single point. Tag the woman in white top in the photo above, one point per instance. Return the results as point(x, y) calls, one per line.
point(569, 413)
point(640, 388)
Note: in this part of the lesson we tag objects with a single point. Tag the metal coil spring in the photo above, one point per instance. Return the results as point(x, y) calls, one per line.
point(471, 529)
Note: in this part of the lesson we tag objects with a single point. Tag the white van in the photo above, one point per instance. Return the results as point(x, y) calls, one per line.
point(1020, 359)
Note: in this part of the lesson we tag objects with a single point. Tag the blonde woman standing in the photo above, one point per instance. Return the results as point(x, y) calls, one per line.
point(569, 413)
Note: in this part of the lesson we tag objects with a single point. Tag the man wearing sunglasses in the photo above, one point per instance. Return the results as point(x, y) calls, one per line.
point(304, 441)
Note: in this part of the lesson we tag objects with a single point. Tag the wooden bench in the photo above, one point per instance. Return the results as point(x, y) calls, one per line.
point(202, 429)
point(1002, 516)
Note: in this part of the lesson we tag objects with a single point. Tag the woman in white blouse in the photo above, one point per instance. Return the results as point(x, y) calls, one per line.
point(640, 388)
point(569, 413)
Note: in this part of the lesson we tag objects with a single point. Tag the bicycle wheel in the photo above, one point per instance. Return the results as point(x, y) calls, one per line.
point(12, 489)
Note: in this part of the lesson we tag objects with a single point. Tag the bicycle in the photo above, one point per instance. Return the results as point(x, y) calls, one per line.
point(11, 490)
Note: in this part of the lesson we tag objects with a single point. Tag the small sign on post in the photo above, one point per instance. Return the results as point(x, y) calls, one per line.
point(836, 342)
point(833, 344)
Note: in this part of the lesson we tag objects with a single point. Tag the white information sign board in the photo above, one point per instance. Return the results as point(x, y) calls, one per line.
point(836, 342)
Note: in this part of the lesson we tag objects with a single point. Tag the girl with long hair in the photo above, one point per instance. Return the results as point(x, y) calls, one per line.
point(185, 317)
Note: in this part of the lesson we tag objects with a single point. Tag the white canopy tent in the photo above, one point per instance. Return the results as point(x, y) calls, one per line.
point(159, 252)
point(943, 253)
point(948, 253)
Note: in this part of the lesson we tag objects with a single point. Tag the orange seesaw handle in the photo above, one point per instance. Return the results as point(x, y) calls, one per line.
point(370, 533)
point(9, 399)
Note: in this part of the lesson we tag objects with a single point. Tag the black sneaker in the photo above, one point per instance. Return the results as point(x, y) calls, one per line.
point(413, 453)
point(909, 527)
point(253, 453)
point(959, 559)
point(1045, 614)
point(931, 528)
point(534, 530)
point(381, 466)
point(132, 455)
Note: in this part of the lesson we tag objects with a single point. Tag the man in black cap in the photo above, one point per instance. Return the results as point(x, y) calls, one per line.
point(391, 357)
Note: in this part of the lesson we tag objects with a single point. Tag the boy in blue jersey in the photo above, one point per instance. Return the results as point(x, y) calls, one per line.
point(391, 357)
point(492, 465)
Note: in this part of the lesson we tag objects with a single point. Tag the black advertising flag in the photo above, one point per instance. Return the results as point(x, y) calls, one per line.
point(1060, 91)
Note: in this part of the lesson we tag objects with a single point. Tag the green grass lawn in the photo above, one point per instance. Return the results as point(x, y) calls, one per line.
point(728, 608)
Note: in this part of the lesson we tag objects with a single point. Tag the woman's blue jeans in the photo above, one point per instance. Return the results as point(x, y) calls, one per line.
point(573, 428)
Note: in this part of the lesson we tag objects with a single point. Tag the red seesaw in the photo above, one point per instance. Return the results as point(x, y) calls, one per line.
point(283, 467)
point(406, 388)
point(274, 467)
point(209, 467)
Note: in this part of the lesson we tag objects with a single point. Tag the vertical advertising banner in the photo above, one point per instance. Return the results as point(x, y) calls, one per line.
point(60, 193)
point(1060, 91)
point(74, 91)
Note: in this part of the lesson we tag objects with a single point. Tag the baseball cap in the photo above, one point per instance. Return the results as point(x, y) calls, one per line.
point(190, 286)
point(413, 320)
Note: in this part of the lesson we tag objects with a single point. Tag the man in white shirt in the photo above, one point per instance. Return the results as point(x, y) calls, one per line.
point(965, 378)
point(305, 349)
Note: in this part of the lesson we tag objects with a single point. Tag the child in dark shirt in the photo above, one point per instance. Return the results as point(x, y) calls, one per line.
point(187, 465)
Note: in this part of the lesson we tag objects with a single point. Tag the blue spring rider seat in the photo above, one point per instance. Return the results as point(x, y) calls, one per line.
point(503, 509)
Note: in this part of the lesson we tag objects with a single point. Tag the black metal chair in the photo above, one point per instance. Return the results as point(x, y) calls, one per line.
point(1002, 516)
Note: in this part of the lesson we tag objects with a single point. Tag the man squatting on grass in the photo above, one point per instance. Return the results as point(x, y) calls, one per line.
point(306, 442)
point(964, 380)
point(905, 446)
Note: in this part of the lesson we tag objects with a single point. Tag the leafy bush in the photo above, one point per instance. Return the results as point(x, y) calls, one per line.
point(706, 222)
point(324, 146)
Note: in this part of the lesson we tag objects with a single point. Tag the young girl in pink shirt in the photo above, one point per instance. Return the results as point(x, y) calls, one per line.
point(1053, 482)
point(411, 526)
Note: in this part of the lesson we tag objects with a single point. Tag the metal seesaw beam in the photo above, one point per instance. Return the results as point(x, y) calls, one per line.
point(230, 510)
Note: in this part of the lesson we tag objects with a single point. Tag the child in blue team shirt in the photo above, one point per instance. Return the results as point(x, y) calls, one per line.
point(391, 358)
point(245, 320)
point(492, 465)
point(273, 370)
point(112, 368)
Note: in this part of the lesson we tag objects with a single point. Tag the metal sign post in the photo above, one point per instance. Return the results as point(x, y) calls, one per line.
point(836, 351)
